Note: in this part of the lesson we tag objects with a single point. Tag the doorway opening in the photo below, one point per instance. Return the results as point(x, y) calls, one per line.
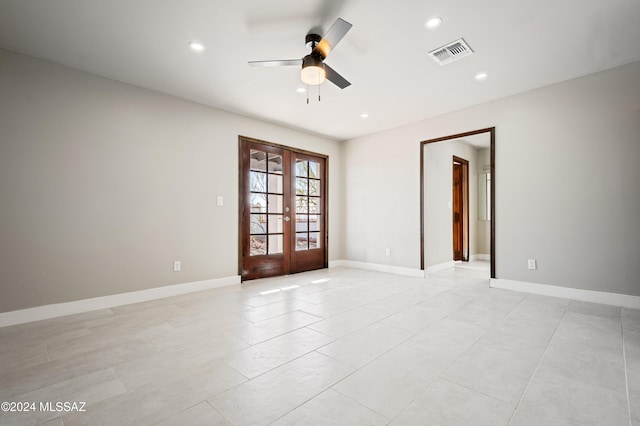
point(283, 210)
point(460, 207)
point(479, 199)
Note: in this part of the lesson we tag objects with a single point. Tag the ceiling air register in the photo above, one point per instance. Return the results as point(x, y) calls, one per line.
point(451, 52)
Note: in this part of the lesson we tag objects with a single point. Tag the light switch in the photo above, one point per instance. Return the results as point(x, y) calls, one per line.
point(219, 200)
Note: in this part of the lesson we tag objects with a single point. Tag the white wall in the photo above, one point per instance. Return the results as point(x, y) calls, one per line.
point(104, 184)
point(566, 184)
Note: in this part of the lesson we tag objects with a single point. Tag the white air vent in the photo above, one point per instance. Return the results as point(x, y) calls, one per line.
point(451, 52)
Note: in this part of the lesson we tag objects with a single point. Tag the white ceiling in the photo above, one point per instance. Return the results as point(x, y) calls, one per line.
point(521, 44)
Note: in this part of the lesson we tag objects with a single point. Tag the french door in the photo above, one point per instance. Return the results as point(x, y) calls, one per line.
point(283, 217)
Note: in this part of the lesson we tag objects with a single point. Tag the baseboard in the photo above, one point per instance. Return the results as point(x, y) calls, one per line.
point(479, 256)
point(440, 267)
point(390, 269)
point(105, 302)
point(615, 299)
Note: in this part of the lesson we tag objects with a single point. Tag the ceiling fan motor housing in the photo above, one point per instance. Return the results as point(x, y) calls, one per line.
point(312, 61)
point(312, 40)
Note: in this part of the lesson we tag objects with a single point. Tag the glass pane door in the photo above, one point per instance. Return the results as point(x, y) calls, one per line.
point(282, 211)
point(309, 245)
point(308, 204)
point(266, 184)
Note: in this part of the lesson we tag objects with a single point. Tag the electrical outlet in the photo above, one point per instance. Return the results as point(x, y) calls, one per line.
point(388, 252)
point(177, 266)
point(531, 263)
point(219, 201)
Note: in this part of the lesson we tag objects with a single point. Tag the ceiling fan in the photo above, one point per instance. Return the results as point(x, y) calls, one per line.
point(314, 70)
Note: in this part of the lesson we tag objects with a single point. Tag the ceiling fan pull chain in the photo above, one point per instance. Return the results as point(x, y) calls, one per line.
point(319, 92)
point(307, 94)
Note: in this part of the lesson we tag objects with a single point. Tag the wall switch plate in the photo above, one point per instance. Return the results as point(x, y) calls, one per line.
point(388, 252)
point(219, 200)
point(177, 266)
point(531, 263)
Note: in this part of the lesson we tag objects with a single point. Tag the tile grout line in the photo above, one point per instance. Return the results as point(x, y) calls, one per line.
point(370, 362)
point(444, 379)
point(439, 376)
point(373, 360)
point(315, 395)
point(316, 350)
point(360, 404)
point(517, 304)
point(183, 410)
point(524, 392)
point(206, 401)
point(278, 366)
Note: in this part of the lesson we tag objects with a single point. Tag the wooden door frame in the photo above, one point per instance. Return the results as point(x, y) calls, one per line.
point(241, 199)
point(465, 205)
point(492, 150)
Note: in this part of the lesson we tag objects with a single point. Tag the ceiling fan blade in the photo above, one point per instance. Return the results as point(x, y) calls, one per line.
point(335, 78)
point(276, 63)
point(337, 31)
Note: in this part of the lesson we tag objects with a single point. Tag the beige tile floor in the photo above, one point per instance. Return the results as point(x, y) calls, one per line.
point(333, 347)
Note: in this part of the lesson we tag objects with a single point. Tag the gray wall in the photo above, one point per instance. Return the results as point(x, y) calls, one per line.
point(566, 183)
point(483, 227)
point(103, 185)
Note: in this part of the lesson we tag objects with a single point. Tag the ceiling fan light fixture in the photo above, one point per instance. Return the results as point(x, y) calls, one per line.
point(313, 72)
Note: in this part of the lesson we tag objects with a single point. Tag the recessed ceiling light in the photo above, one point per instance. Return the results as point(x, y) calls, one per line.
point(301, 90)
point(433, 23)
point(481, 76)
point(196, 47)
point(364, 115)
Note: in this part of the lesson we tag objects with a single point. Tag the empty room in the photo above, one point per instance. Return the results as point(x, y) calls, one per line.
point(329, 212)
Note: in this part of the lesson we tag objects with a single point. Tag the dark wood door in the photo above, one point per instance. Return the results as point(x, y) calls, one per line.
point(457, 211)
point(282, 210)
point(460, 209)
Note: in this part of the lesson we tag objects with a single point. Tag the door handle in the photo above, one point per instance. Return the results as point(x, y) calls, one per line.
point(287, 218)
